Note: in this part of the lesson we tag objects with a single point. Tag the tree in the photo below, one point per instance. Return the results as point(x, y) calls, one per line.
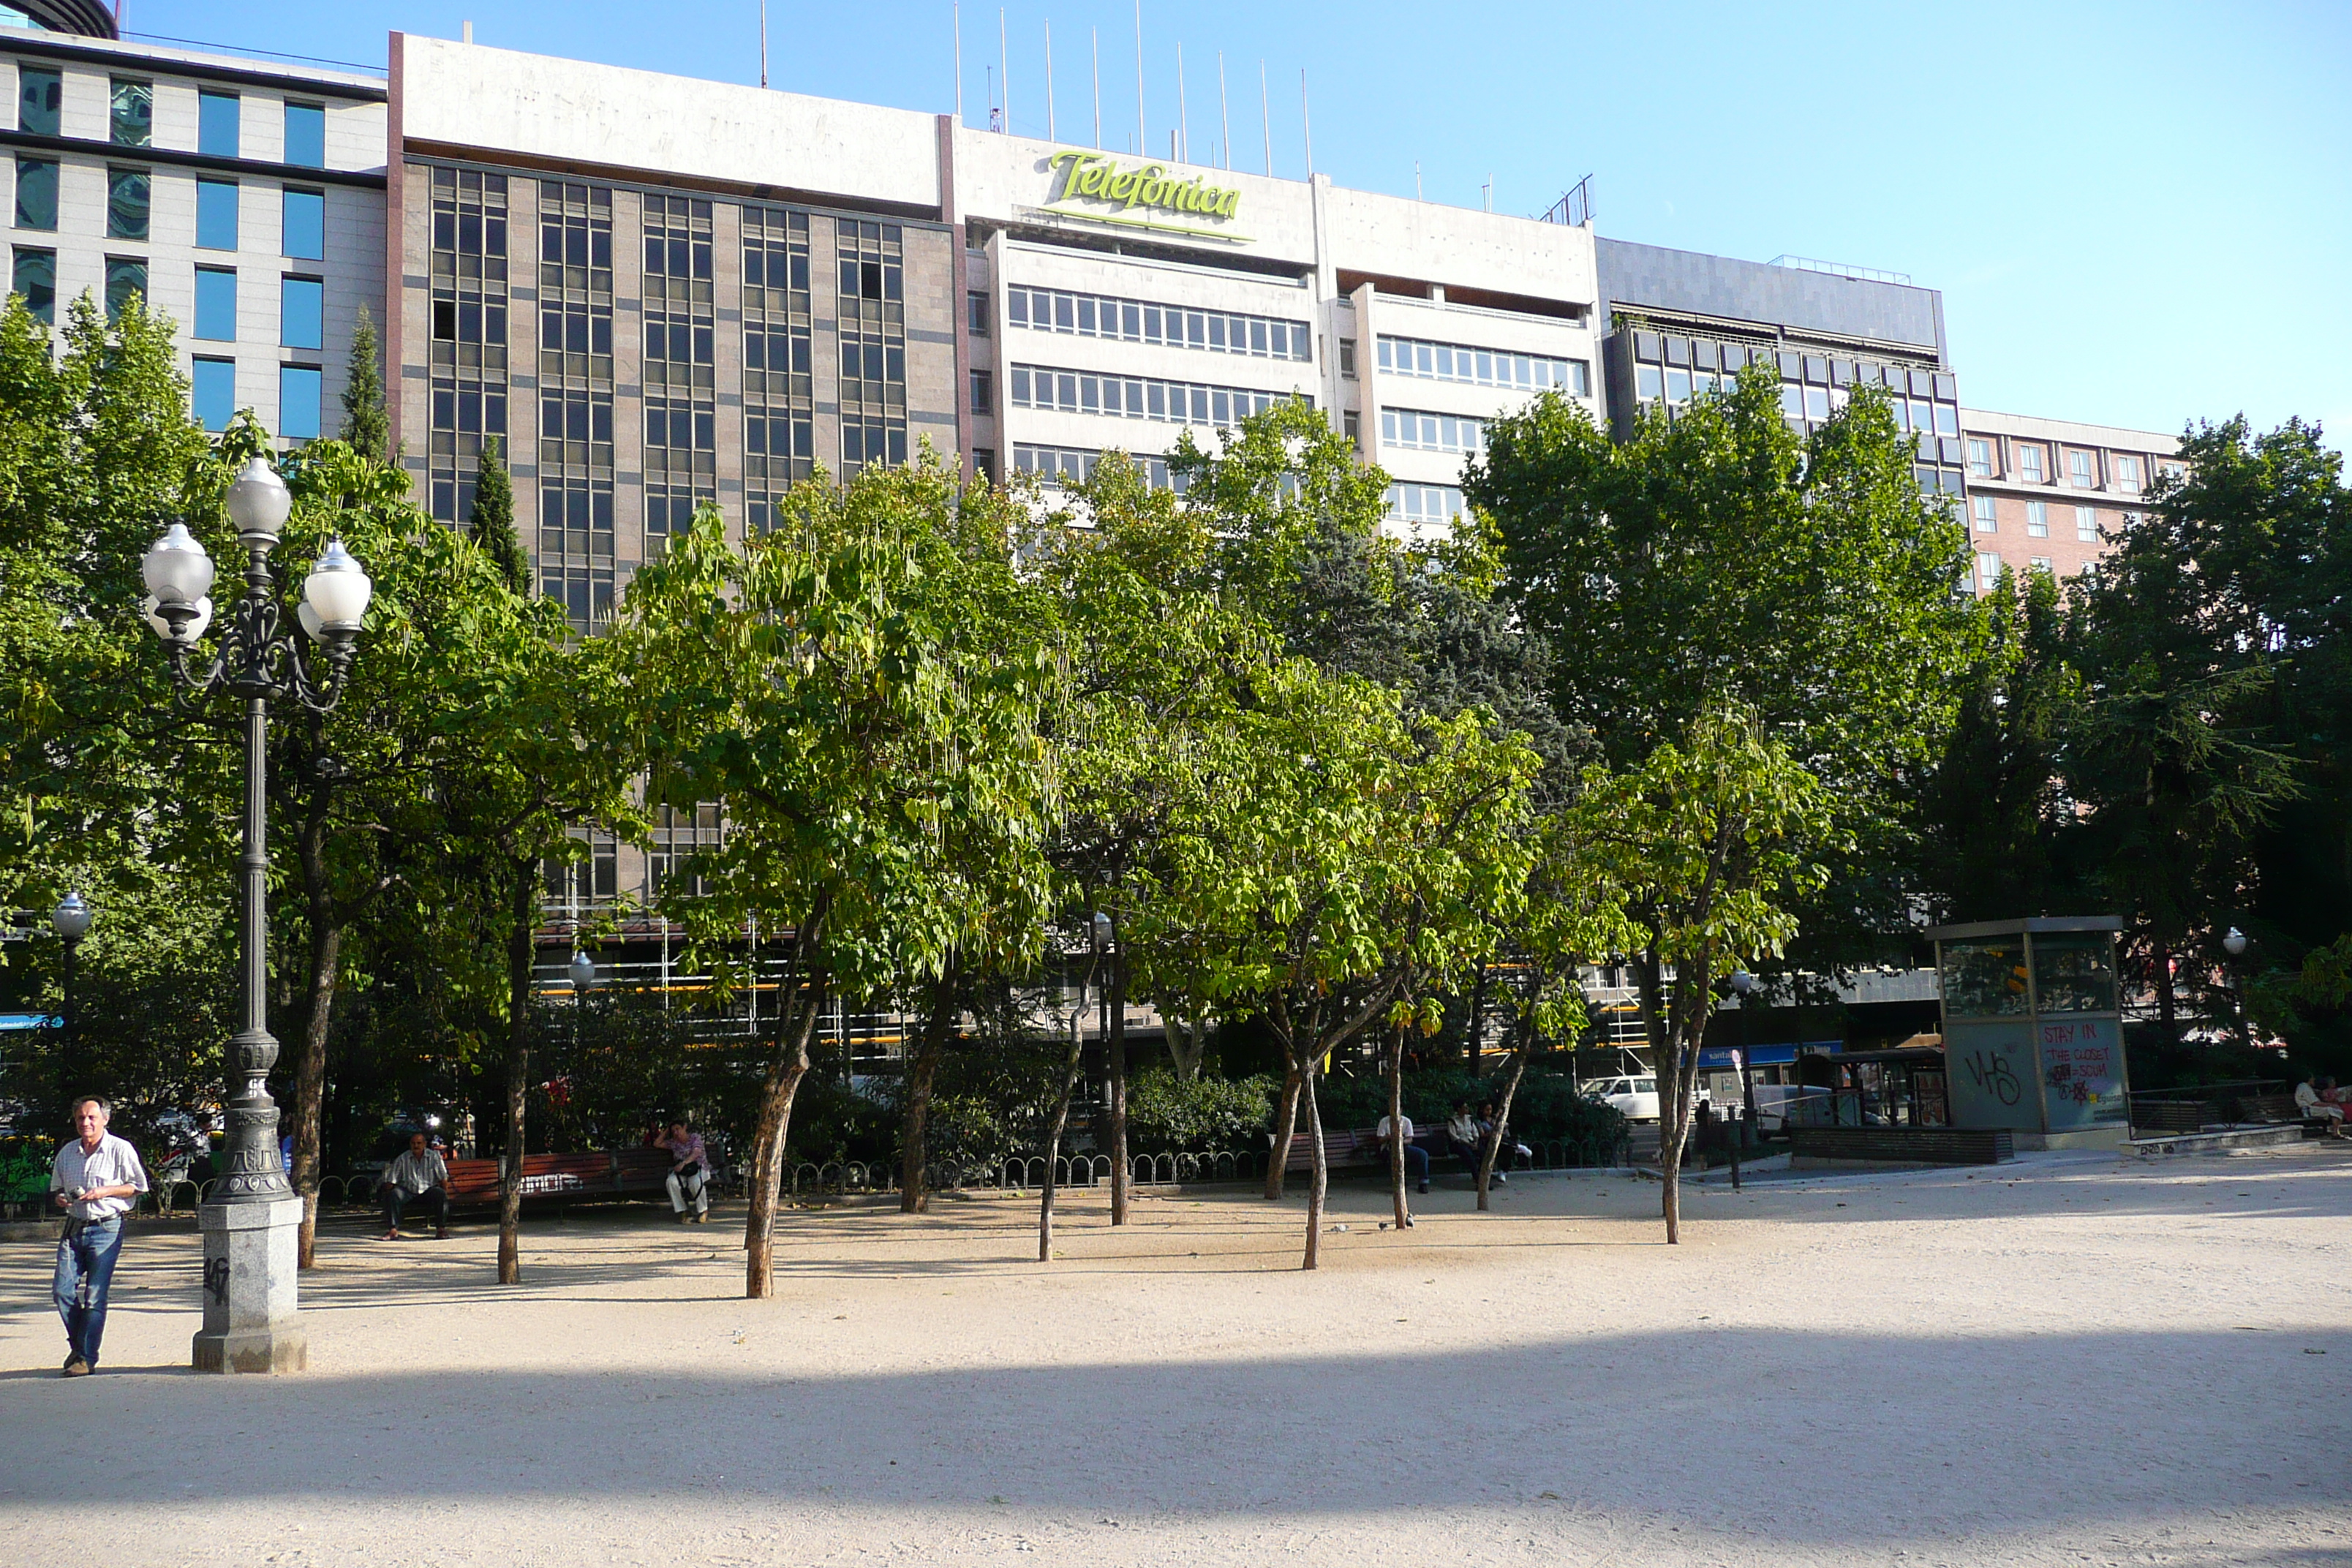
point(367, 430)
point(492, 524)
point(860, 685)
point(1708, 841)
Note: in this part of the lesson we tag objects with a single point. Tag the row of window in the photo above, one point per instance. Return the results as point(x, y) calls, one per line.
point(1055, 465)
point(1141, 321)
point(1484, 367)
point(213, 397)
point(1426, 506)
point(2127, 475)
point(1988, 566)
point(1178, 402)
point(1430, 432)
point(130, 200)
point(130, 117)
point(2037, 520)
point(1819, 370)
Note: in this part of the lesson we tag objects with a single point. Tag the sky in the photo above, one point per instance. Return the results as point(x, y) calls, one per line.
point(2138, 214)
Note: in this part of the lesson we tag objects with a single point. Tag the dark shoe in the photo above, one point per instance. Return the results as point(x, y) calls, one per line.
point(1425, 1186)
point(389, 1236)
point(683, 1217)
point(440, 1233)
point(75, 1367)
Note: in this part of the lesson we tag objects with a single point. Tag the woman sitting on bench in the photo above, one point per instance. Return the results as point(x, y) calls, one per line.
point(2319, 1100)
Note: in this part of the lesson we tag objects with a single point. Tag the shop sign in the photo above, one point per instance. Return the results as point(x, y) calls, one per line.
point(1097, 181)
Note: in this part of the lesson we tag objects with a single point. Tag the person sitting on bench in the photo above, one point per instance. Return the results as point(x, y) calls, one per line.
point(2312, 1100)
point(1465, 1137)
point(418, 1174)
point(690, 1173)
point(1416, 1158)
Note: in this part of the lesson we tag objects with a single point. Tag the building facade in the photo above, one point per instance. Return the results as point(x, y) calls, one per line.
point(245, 200)
point(2051, 495)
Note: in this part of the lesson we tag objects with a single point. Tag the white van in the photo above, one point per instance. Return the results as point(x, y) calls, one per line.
point(1634, 1098)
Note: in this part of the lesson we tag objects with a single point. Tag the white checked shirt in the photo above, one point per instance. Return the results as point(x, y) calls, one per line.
point(113, 1164)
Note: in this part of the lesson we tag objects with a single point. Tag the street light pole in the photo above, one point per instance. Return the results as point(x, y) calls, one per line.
point(70, 919)
point(1745, 984)
point(2235, 944)
point(251, 1219)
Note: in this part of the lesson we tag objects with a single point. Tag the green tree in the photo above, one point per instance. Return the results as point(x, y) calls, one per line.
point(492, 524)
point(367, 430)
point(860, 685)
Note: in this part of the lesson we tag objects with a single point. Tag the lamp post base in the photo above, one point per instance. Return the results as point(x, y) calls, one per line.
point(250, 1321)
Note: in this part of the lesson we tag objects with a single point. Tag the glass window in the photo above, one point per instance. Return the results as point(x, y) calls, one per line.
point(1792, 402)
point(1817, 403)
point(984, 399)
point(212, 392)
point(2127, 474)
point(976, 312)
point(40, 94)
point(305, 135)
point(298, 402)
point(1983, 508)
point(216, 303)
point(1649, 382)
point(2029, 461)
point(217, 123)
point(1678, 386)
point(130, 119)
point(2074, 972)
point(125, 277)
point(37, 279)
point(1984, 978)
point(217, 215)
point(1988, 571)
point(127, 196)
point(2078, 466)
point(2086, 524)
point(2039, 564)
point(1980, 458)
point(301, 313)
point(36, 193)
point(2037, 518)
point(305, 226)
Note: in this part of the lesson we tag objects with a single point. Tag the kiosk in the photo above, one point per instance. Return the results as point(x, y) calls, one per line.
point(2032, 1038)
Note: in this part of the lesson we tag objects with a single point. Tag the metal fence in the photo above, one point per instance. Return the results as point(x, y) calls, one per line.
point(1022, 1172)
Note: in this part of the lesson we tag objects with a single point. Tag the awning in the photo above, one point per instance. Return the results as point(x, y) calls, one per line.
point(14, 1021)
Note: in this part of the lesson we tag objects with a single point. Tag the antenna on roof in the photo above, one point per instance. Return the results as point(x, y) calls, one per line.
point(1050, 136)
point(764, 43)
point(958, 10)
point(1183, 115)
point(1005, 68)
point(1225, 112)
point(1095, 34)
point(1140, 140)
point(1307, 121)
point(1264, 119)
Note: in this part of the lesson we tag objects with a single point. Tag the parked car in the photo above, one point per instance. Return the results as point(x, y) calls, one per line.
point(1634, 1098)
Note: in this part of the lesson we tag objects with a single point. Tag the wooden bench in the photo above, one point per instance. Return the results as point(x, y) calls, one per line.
point(474, 1184)
point(2270, 1108)
point(1925, 1145)
point(1360, 1148)
point(2174, 1116)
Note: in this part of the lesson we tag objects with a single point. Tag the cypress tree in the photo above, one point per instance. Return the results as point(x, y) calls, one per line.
point(366, 427)
point(492, 524)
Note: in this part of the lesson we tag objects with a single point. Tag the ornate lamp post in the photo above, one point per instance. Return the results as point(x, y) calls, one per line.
point(1745, 984)
point(70, 919)
point(2235, 944)
point(252, 1218)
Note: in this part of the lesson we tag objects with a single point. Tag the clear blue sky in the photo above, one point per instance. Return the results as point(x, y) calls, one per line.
point(2138, 214)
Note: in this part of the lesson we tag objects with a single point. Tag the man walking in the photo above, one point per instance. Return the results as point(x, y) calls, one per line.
point(690, 1173)
point(95, 1179)
point(419, 1175)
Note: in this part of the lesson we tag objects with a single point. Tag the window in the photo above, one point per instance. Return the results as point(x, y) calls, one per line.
point(2078, 470)
point(981, 402)
point(2170, 471)
point(983, 460)
point(304, 229)
point(217, 215)
point(1426, 506)
point(216, 303)
point(779, 388)
point(1650, 384)
point(2037, 520)
point(1057, 466)
point(131, 118)
point(2038, 563)
point(126, 278)
point(2086, 524)
point(975, 309)
point(1431, 432)
point(1983, 508)
point(1980, 457)
point(36, 193)
point(1348, 358)
point(1142, 322)
point(217, 123)
point(1485, 367)
point(2127, 474)
point(1988, 571)
point(1948, 419)
point(302, 314)
point(213, 393)
point(871, 319)
point(37, 279)
point(1129, 397)
point(1351, 425)
point(298, 402)
point(2029, 461)
point(40, 94)
point(305, 135)
point(127, 200)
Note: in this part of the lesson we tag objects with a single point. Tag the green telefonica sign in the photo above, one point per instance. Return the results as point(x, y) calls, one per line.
point(1091, 177)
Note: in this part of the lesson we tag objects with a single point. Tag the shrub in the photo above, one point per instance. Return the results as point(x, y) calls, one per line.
point(1547, 1108)
point(1167, 1115)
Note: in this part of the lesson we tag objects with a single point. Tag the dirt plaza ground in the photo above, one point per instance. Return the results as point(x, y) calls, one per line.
point(2068, 1360)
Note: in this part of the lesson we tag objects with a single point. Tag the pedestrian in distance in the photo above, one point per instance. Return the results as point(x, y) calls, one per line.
point(690, 1173)
point(419, 1175)
point(95, 1179)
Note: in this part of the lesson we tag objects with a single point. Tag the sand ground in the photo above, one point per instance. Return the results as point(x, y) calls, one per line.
point(2071, 1359)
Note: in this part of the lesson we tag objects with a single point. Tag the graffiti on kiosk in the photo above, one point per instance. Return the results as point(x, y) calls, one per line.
point(1990, 1071)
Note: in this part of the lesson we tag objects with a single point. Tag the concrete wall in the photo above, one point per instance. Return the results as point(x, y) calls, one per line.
point(1684, 281)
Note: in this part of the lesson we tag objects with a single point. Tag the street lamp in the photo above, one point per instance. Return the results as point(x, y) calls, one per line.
point(2235, 944)
point(70, 919)
point(251, 1218)
point(1745, 983)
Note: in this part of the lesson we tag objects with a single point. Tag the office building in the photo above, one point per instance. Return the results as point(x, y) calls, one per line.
point(2051, 494)
point(1677, 320)
point(243, 198)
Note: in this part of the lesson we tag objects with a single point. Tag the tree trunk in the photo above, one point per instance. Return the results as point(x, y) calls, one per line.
point(914, 1192)
point(1396, 1129)
point(520, 951)
point(2168, 1003)
point(1496, 1135)
point(310, 1073)
point(1187, 1043)
point(1053, 1136)
point(783, 1081)
point(1117, 1045)
point(1316, 1183)
point(1665, 1067)
point(1285, 1123)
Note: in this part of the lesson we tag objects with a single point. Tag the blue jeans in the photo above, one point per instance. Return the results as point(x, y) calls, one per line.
point(85, 1270)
